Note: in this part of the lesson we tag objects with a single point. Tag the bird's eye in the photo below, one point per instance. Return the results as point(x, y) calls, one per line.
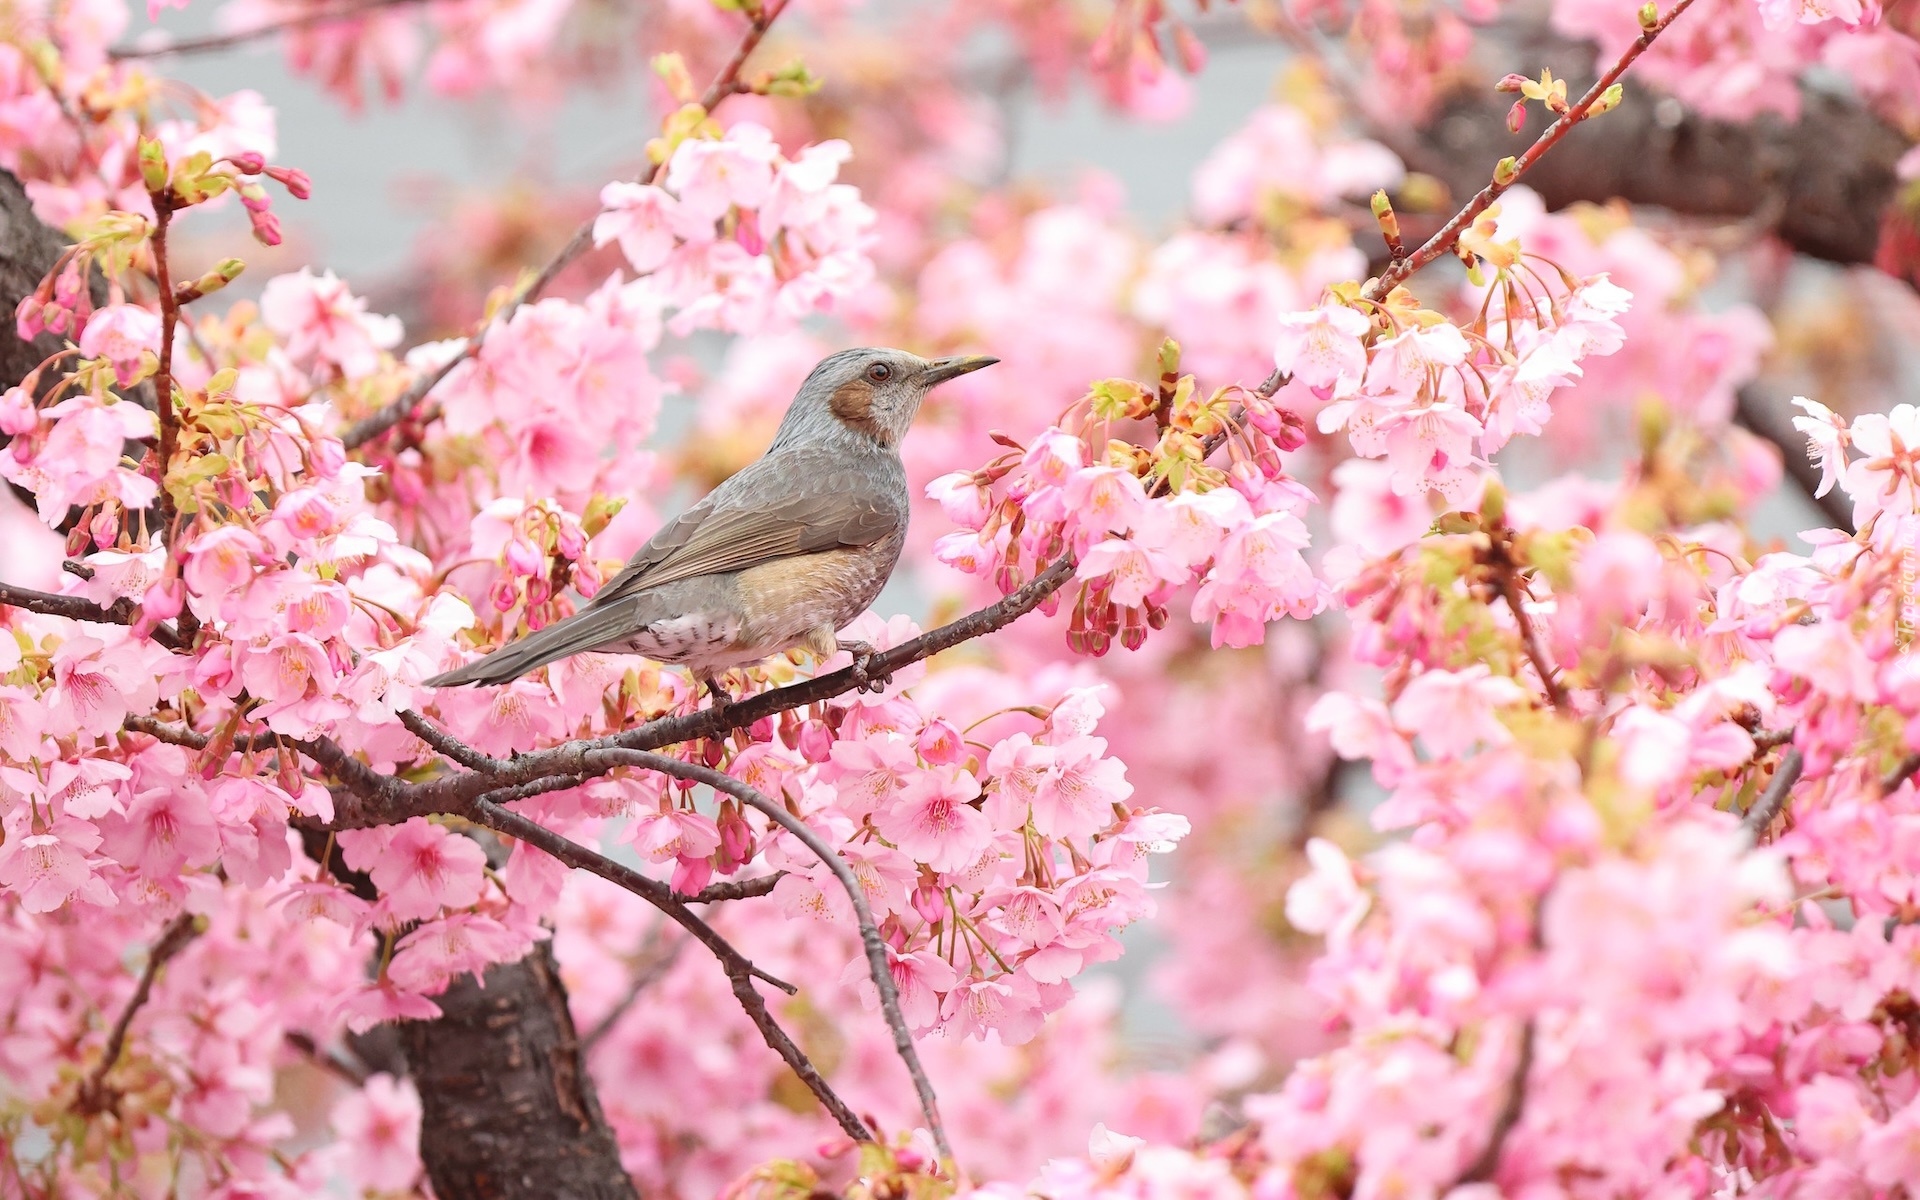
point(879, 372)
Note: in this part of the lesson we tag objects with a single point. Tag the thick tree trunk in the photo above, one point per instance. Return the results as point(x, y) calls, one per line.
point(509, 1112)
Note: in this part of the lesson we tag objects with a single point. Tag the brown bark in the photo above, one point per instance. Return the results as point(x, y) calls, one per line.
point(509, 1112)
point(1819, 184)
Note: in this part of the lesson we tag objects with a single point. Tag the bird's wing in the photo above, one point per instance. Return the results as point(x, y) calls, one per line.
point(800, 503)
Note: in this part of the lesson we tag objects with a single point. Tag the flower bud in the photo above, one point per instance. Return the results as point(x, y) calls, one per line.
point(929, 903)
point(295, 181)
point(1608, 101)
point(1511, 83)
point(503, 595)
point(250, 162)
point(816, 742)
point(1506, 171)
point(266, 228)
point(1517, 116)
point(1649, 16)
point(153, 164)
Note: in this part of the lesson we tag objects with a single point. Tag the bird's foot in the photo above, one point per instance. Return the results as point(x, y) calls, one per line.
point(718, 694)
point(863, 655)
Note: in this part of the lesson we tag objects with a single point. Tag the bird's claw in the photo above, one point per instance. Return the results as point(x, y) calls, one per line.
point(863, 656)
point(718, 695)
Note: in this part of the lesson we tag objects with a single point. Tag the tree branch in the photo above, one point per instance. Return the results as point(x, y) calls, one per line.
point(724, 84)
point(656, 968)
point(223, 41)
point(94, 1095)
point(1484, 1164)
point(78, 608)
point(875, 948)
point(740, 972)
point(1448, 236)
point(1759, 818)
point(1821, 182)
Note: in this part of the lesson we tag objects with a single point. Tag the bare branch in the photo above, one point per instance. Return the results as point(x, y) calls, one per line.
point(78, 608)
point(740, 972)
point(1901, 772)
point(876, 950)
point(94, 1095)
point(223, 41)
point(724, 84)
point(656, 968)
point(1760, 817)
point(1484, 1164)
point(327, 1059)
point(447, 744)
point(734, 889)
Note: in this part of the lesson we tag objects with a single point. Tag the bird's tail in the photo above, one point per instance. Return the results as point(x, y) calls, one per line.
point(587, 629)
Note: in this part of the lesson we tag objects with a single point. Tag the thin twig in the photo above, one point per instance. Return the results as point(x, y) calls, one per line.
point(1901, 772)
point(78, 608)
point(1484, 1164)
point(327, 1059)
point(740, 972)
point(1768, 806)
point(94, 1096)
point(1400, 270)
point(169, 421)
point(724, 84)
point(223, 41)
point(655, 970)
point(876, 950)
point(1506, 576)
point(734, 889)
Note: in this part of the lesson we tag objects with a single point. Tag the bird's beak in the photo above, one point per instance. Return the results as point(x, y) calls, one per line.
point(943, 369)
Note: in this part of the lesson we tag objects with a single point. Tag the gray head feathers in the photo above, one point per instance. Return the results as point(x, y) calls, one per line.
point(870, 393)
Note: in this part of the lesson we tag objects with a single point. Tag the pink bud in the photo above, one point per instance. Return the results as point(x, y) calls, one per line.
point(816, 742)
point(940, 743)
point(539, 591)
point(1517, 116)
point(17, 412)
point(266, 228)
point(250, 162)
point(691, 875)
point(747, 232)
point(909, 1159)
point(929, 903)
point(761, 730)
point(27, 319)
point(1511, 83)
point(104, 527)
point(523, 558)
point(504, 595)
point(736, 838)
point(572, 542)
point(325, 457)
point(255, 197)
point(295, 181)
point(163, 600)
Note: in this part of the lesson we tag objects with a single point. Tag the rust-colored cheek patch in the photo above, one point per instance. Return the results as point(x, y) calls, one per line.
point(853, 403)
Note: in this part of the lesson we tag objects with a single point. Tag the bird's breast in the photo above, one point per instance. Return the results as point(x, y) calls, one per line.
point(783, 601)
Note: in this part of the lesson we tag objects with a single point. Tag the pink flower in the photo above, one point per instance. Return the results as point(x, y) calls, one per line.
point(379, 1128)
point(675, 834)
point(419, 867)
point(381, 1001)
point(436, 952)
point(45, 868)
point(1328, 900)
point(1077, 798)
point(920, 979)
point(22, 722)
point(1105, 499)
point(122, 334)
point(326, 326)
point(1827, 438)
point(933, 822)
point(1134, 571)
point(709, 177)
point(1321, 348)
point(164, 830)
point(1020, 768)
point(641, 217)
point(1453, 711)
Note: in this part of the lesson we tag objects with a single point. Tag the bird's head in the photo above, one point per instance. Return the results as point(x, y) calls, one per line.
point(872, 391)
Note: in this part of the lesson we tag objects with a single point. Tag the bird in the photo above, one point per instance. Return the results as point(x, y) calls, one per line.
point(785, 552)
